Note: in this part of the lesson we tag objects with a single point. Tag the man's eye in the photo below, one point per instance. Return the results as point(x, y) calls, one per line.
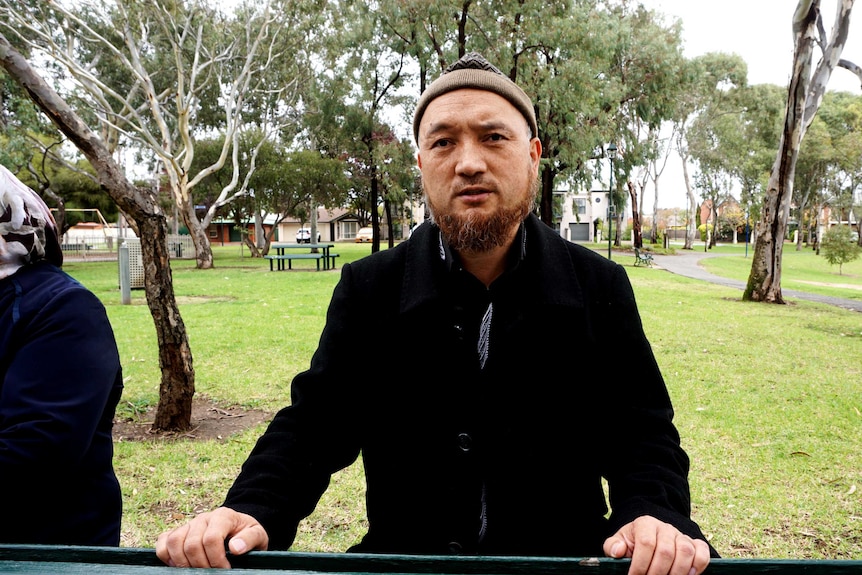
point(440, 143)
point(496, 137)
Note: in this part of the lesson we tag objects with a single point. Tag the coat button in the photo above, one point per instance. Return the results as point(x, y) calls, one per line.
point(455, 548)
point(465, 442)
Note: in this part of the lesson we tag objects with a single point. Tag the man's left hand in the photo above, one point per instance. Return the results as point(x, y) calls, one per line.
point(657, 548)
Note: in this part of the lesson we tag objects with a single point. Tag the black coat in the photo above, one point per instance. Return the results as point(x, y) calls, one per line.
point(60, 382)
point(505, 460)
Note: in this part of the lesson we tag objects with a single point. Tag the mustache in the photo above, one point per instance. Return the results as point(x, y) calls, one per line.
point(474, 182)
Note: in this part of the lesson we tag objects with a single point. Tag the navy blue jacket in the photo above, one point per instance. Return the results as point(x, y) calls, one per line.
point(508, 459)
point(61, 381)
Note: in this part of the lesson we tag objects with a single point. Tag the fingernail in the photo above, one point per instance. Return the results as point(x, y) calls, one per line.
point(239, 546)
point(692, 571)
point(617, 549)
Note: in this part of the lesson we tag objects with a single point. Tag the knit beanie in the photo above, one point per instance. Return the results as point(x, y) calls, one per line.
point(474, 71)
point(28, 233)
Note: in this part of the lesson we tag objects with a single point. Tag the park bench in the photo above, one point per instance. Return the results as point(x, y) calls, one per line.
point(51, 559)
point(281, 258)
point(643, 258)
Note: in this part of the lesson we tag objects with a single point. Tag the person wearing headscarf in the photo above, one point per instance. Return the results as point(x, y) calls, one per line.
point(60, 382)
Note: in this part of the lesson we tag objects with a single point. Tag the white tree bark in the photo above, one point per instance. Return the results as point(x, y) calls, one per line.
point(165, 126)
point(805, 93)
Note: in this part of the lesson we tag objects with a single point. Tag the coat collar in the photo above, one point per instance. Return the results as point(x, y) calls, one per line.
point(544, 254)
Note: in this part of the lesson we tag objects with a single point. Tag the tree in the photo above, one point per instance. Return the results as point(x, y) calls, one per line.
point(223, 73)
point(175, 356)
point(839, 247)
point(370, 52)
point(805, 93)
point(709, 81)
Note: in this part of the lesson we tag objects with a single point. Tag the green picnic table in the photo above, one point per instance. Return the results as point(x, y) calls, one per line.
point(282, 254)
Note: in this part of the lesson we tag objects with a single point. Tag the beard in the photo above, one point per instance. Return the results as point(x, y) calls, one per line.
point(475, 232)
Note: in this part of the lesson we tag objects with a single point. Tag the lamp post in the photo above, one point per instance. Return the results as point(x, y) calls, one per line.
point(612, 153)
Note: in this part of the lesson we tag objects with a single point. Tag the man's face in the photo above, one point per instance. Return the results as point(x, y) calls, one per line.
point(479, 168)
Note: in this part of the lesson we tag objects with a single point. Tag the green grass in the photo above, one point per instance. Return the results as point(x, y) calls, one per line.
point(768, 398)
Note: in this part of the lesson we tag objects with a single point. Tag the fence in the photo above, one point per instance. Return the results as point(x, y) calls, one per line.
point(179, 247)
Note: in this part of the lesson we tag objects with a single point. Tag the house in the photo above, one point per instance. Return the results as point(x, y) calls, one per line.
point(580, 212)
point(333, 225)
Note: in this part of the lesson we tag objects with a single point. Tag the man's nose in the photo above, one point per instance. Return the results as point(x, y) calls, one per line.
point(471, 159)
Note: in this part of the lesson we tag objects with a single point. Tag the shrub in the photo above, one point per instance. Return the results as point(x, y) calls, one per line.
point(838, 246)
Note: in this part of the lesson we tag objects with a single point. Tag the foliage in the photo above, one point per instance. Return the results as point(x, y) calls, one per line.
point(839, 246)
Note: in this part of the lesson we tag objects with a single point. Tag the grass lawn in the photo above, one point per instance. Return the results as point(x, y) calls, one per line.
point(768, 398)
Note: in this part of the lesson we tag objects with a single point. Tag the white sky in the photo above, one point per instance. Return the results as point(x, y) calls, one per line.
point(760, 32)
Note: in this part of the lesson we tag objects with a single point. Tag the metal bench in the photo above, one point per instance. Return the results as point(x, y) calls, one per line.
point(643, 258)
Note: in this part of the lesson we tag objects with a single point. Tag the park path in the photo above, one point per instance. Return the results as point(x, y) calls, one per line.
point(687, 263)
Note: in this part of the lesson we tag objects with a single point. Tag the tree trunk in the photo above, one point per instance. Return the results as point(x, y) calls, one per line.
point(175, 357)
point(803, 101)
point(764, 280)
point(637, 239)
point(546, 198)
point(203, 249)
point(690, 227)
point(375, 195)
point(799, 234)
point(654, 231)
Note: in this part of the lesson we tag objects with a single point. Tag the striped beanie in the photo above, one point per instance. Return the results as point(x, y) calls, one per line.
point(474, 71)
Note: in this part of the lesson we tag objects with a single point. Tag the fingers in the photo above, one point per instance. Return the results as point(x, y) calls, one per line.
point(658, 548)
point(201, 542)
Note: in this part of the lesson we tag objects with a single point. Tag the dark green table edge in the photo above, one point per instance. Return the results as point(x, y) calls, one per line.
point(30, 556)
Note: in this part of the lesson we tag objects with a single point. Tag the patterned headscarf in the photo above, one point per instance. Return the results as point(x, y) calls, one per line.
point(28, 232)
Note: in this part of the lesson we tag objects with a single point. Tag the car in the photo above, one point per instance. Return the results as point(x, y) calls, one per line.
point(364, 235)
point(303, 236)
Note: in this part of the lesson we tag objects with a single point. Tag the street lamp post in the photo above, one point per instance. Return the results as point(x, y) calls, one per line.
point(612, 153)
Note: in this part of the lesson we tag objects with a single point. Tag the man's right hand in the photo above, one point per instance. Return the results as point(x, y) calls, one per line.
point(201, 541)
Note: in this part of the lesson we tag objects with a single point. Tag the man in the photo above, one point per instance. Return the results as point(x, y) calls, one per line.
point(498, 445)
point(60, 381)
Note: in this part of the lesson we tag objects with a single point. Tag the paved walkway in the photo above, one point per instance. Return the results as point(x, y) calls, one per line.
point(687, 263)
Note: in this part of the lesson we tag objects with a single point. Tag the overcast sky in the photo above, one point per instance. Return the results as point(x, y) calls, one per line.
point(760, 32)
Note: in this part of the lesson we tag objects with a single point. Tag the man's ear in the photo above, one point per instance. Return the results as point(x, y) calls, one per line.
point(536, 153)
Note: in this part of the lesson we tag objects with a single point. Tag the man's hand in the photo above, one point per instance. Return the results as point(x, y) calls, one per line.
point(657, 548)
point(201, 541)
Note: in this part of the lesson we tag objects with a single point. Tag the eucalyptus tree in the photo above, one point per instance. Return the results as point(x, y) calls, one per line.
point(373, 58)
point(588, 65)
point(398, 181)
point(760, 125)
point(156, 75)
point(805, 93)
point(175, 358)
point(648, 75)
point(706, 83)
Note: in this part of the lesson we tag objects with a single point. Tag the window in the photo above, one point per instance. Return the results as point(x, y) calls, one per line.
point(348, 229)
point(580, 206)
